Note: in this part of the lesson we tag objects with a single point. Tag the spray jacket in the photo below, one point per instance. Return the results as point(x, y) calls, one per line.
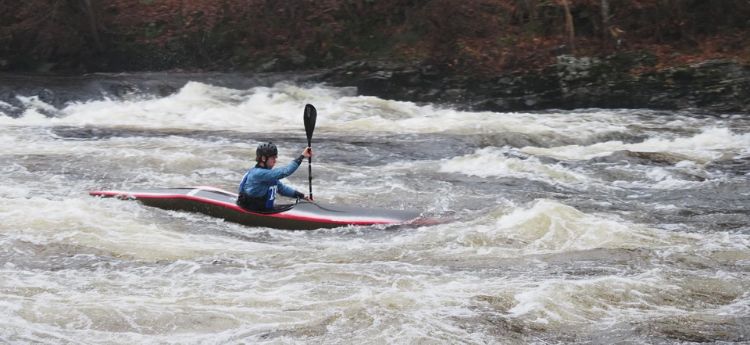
point(259, 186)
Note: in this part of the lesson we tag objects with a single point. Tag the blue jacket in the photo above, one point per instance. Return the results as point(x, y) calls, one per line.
point(261, 182)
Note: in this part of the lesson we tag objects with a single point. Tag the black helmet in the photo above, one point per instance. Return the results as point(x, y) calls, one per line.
point(266, 149)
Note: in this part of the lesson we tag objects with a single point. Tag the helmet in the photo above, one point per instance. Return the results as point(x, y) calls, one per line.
point(266, 149)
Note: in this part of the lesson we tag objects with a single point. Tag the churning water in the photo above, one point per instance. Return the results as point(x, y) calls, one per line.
point(591, 226)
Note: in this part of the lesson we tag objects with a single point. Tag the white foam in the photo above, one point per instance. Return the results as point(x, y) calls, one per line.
point(34, 103)
point(710, 144)
point(661, 178)
point(581, 301)
point(541, 228)
point(278, 108)
point(7, 105)
point(143, 275)
point(549, 226)
point(493, 162)
point(653, 294)
point(109, 225)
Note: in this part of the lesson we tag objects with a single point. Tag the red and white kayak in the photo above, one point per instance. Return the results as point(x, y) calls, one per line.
point(219, 203)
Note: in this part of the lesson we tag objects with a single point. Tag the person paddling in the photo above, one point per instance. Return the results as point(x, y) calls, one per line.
point(261, 183)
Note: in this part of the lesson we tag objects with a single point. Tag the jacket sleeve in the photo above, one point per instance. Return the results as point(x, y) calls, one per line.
point(286, 190)
point(278, 173)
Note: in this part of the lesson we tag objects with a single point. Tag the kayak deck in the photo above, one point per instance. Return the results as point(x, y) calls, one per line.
point(219, 203)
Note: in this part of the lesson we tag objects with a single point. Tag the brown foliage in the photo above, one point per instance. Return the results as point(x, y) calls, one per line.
point(479, 35)
point(40, 30)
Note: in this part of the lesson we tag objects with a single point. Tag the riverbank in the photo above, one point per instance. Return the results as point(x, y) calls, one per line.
point(616, 81)
point(498, 55)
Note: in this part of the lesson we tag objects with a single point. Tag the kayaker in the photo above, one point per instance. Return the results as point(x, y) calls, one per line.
point(261, 183)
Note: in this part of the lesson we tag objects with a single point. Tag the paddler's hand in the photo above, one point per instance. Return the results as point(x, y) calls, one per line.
point(299, 195)
point(307, 153)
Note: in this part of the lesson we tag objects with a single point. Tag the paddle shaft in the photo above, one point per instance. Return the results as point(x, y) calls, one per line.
point(309, 169)
point(309, 173)
point(309, 117)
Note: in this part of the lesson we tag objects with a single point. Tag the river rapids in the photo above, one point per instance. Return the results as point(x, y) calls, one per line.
point(585, 226)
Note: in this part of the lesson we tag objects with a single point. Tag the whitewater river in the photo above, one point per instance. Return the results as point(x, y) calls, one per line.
point(586, 226)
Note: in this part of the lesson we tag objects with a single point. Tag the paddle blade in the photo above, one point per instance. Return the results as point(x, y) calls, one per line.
point(310, 116)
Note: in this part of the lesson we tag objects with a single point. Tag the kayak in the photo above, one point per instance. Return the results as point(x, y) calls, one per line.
point(302, 215)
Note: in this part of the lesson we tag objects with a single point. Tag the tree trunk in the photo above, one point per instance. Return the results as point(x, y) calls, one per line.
point(531, 8)
point(569, 29)
point(605, 19)
point(93, 26)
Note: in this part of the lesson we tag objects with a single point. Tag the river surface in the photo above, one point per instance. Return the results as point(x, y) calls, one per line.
point(586, 226)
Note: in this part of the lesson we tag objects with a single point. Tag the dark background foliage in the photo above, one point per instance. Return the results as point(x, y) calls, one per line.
point(466, 36)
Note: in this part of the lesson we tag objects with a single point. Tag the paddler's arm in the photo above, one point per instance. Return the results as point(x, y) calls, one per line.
point(289, 191)
point(280, 173)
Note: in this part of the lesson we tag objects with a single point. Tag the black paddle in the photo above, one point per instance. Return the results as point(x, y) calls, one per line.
point(310, 115)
